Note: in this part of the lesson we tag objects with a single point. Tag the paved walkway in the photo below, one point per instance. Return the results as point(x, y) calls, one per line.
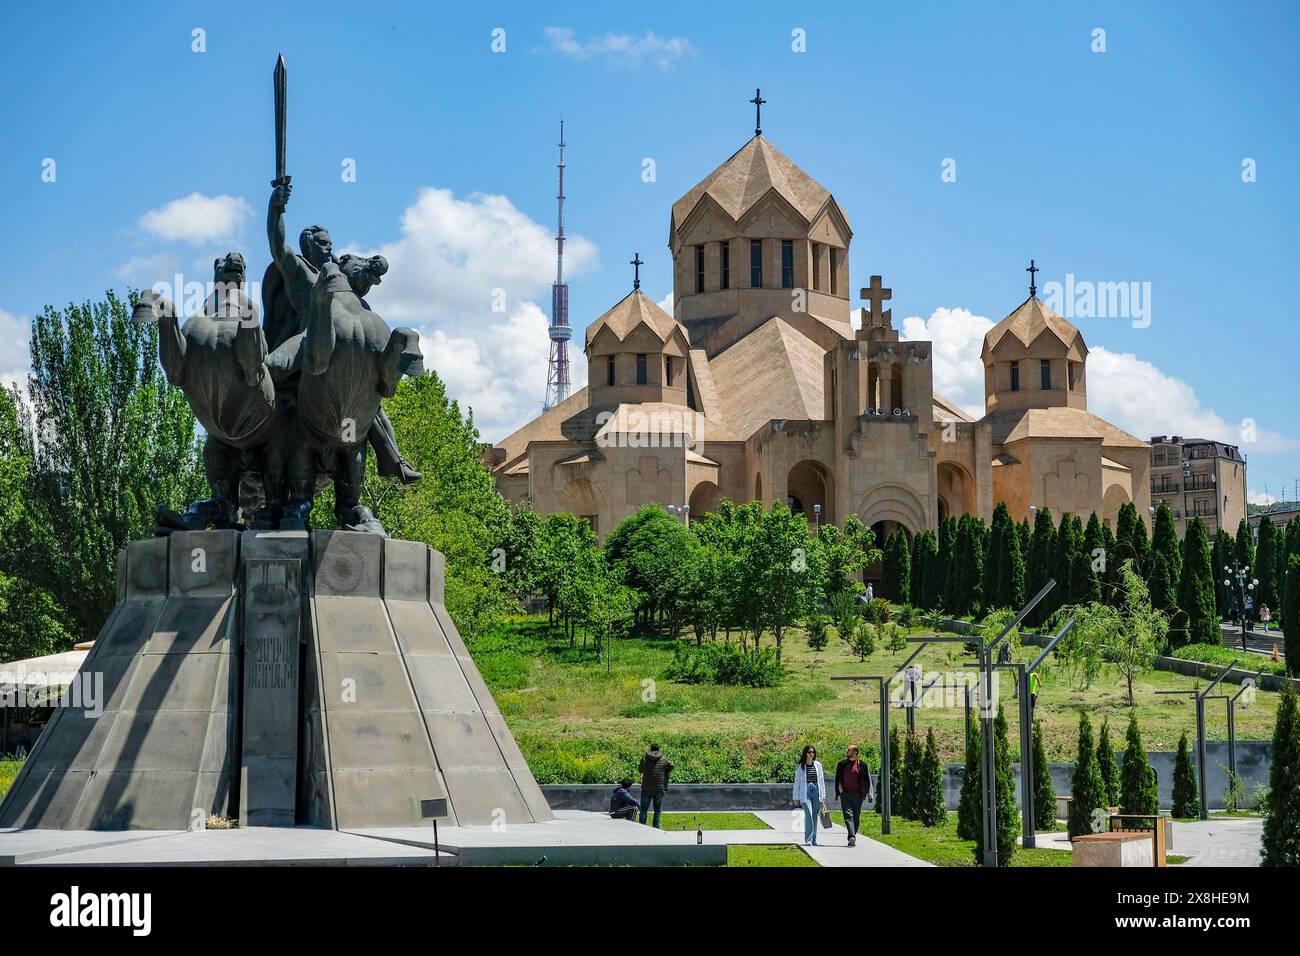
point(832, 847)
point(1222, 841)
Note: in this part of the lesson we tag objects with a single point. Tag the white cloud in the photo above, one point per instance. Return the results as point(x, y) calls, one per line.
point(1123, 389)
point(666, 303)
point(15, 351)
point(197, 218)
point(468, 274)
point(149, 269)
point(1261, 498)
point(958, 336)
point(622, 49)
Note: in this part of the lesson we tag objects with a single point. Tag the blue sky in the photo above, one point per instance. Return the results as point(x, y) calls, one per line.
point(1116, 166)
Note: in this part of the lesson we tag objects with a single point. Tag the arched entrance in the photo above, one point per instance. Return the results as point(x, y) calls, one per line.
point(1115, 498)
point(704, 499)
point(956, 490)
point(758, 489)
point(810, 485)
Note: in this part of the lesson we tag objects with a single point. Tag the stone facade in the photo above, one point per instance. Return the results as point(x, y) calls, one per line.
point(765, 385)
point(1196, 476)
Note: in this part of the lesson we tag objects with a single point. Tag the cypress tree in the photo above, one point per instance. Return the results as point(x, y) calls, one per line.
point(1008, 816)
point(1011, 570)
point(895, 774)
point(1244, 547)
point(1111, 591)
point(1138, 793)
point(1267, 565)
point(1138, 539)
point(966, 581)
point(1281, 843)
point(1221, 557)
point(1124, 523)
point(1044, 789)
point(1087, 790)
point(1186, 795)
point(943, 573)
point(969, 821)
point(1094, 544)
point(896, 574)
point(1196, 592)
point(1000, 538)
point(917, 588)
point(931, 809)
point(1291, 616)
point(1038, 567)
point(1164, 540)
point(1164, 596)
point(1024, 534)
point(910, 804)
point(929, 556)
point(1108, 764)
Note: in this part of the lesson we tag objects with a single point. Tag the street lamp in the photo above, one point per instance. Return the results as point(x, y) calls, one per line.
point(817, 518)
point(1239, 575)
point(683, 510)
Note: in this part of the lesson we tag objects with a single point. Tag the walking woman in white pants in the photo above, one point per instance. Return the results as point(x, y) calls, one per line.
point(809, 792)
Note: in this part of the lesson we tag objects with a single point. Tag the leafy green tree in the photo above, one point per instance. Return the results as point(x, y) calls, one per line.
point(896, 574)
point(1291, 616)
point(947, 542)
point(1138, 793)
point(1007, 815)
point(931, 809)
point(1186, 794)
point(1128, 637)
point(1108, 765)
point(783, 573)
point(1044, 789)
point(909, 805)
point(925, 570)
point(969, 819)
point(1244, 546)
point(966, 582)
point(1087, 789)
point(844, 555)
point(108, 439)
point(1281, 842)
point(1196, 589)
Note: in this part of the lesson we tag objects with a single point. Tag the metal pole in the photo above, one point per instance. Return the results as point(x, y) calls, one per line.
point(1027, 836)
point(1232, 742)
point(988, 768)
point(884, 760)
point(1200, 753)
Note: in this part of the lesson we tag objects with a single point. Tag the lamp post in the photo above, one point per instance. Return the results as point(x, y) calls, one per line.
point(817, 518)
point(1239, 575)
point(683, 510)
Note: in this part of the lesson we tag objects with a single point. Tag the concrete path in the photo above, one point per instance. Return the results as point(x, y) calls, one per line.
point(1222, 841)
point(832, 847)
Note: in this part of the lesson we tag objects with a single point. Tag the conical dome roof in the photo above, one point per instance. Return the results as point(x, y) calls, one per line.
point(632, 311)
point(1028, 321)
point(746, 177)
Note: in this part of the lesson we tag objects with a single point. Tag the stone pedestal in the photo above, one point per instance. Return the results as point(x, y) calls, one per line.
point(279, 678)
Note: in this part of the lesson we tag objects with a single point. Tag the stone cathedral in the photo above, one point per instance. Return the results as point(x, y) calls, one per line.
point(765, 385)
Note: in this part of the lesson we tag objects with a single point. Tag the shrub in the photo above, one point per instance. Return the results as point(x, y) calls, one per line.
point(1281, 843)
point(931, 809)
point(1138, 793)
point(1109, 765)
point(862, 642)
point(1007, 815)
point(1087, 790)
point(897, 641)
point(969, 820)
point(722, 663)
point(909, 805)
point(1186, 795)
point(1044, 789)
point(818, 636)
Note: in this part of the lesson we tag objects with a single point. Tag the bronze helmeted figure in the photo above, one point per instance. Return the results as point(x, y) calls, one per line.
point(293, 403)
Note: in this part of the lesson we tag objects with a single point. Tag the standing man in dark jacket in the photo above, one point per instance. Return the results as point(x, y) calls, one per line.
point(852, 786)
point(654, 769)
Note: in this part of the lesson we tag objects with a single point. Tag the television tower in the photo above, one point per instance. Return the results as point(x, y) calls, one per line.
point(557, 373)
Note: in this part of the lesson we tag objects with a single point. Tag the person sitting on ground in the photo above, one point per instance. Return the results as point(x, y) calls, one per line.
point(622, 805)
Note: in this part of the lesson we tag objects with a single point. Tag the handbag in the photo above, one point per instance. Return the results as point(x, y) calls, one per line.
point(825, 817)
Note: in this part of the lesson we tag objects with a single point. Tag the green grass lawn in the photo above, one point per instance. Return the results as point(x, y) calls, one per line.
point(580, 719)
point(781, 855)
point(8, 770)
point(941, 845)
point(711, 821)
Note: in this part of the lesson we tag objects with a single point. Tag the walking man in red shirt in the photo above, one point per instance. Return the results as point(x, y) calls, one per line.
point(852, 786)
